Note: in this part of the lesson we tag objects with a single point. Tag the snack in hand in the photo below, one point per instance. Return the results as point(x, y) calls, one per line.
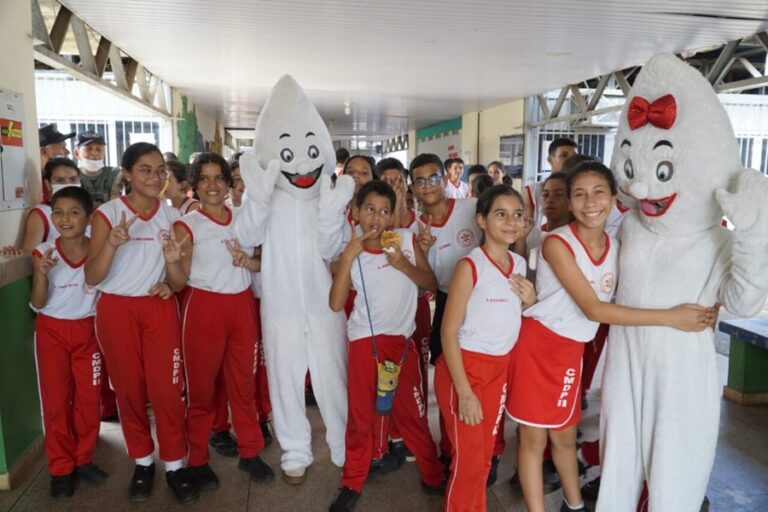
point(390, 239)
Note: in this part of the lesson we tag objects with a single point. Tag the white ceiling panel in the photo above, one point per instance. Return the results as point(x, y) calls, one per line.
point(402, 64)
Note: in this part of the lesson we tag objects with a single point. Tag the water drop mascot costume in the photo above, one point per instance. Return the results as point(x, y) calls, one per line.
point(294, 213)
point(676, 154)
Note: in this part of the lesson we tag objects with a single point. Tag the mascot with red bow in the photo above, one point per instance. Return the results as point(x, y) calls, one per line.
point(676, 156)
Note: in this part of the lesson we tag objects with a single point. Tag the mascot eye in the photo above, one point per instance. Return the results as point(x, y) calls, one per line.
point(313, 152)
point(664, 171)
point(629, 169)
point(287, 155)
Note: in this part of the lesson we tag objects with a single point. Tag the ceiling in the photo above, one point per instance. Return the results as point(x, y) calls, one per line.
point(401, 64)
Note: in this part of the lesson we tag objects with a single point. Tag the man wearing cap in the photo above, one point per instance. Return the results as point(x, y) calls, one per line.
point(99, 180)
point(52, 143)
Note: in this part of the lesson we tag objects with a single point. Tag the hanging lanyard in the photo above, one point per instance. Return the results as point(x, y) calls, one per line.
point(370, 319)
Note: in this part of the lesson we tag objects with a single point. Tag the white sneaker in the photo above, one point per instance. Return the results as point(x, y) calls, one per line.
point(295, 476)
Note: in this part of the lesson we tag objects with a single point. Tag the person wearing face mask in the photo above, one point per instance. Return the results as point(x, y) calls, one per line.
point(99, 180)
point(59, 172)
point(52, 143)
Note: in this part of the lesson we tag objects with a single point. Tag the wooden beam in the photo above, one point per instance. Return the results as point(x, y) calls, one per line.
point(578, 98)
point(83, 44)
point(39, 30)
point(102, 54)
point(545, 113)
point(60, 27)
point(559, 103)
point(130, 72)
point(116, 61)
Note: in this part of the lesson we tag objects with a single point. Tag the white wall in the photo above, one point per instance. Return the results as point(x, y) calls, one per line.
point(496, 122)
point(17, 74)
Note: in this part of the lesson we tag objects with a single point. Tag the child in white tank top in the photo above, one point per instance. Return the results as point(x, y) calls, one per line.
point(67, 355)
point(205, 254)
point(488, 291)
point(137, 321)
point(576, 278)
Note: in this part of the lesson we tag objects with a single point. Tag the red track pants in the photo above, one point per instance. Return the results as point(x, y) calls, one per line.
point(408, 410)
point(263, 405)
point(472, 445)
point(69, 380)
point(139, 337)
point(219, 335)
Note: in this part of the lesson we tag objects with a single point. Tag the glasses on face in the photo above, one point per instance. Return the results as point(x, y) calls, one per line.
point(433, 180)
point(147, 173)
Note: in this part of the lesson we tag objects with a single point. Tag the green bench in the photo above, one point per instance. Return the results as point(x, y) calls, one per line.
point(748, 360)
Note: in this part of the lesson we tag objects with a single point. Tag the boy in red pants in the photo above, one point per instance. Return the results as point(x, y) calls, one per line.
point(68, 357)
point(387, 272)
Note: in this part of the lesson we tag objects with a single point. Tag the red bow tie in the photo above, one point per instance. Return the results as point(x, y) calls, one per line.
point(661, 113)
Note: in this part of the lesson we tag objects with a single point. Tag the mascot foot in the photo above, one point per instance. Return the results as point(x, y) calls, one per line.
point(295, 476)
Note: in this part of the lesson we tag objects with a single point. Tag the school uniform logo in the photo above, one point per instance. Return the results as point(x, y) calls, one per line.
point(163, 236)
point(465, 238)
point(176, 375)
point(607, 281)
point(569, 381)
point(96, 369)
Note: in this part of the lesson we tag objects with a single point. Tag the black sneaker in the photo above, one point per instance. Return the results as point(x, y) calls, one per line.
point(63, 486)
point(397, 449)
point(112, 418)
point(433, 490)
point(493, 474)
point(223, 443)
point(204, 477)
point(182, 485)
point(566, 508)
point(141, 483)
point(258, 469)
point(91, 474)
point(345, 501)
point(387, 464)
point(591, 489)
point(266, 433)
point(551, 478)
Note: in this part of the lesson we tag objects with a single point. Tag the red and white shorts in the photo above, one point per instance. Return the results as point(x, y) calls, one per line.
point(544, 378)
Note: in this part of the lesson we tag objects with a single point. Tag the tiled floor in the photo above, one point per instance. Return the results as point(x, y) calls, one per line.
point(739, 482)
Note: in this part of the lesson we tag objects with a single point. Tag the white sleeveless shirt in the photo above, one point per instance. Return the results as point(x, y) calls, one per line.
point(69, 297)
point(49, 230)
point(492, 320)
point(555, 308)
point(455, 237)
point(212, 267)
point(138, 265)
point(391, 294)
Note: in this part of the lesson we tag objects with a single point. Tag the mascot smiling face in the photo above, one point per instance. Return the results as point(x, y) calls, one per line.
point(674, 148)
point(290, 129)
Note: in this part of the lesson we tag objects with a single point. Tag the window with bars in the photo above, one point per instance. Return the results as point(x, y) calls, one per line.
point(124, 129)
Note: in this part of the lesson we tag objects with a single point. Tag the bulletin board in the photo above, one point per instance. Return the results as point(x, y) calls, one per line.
point(13, 137)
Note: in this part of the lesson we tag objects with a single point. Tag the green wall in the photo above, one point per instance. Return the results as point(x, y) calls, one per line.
point(20, 422)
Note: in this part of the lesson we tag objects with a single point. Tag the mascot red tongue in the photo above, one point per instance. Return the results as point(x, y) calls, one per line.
point(677, 155)
point(298, 220)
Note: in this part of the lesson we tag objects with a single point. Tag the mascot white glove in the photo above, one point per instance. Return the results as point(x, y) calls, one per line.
point(331, 222)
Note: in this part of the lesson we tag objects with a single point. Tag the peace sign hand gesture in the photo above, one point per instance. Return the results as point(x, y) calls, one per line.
point(45, 263)
point(239, 257)
point(119, 234)
point(426, 239)
point(173, 247)
point(355, 245)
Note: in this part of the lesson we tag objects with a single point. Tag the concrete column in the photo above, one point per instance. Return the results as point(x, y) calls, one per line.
point(470, 131)
point(17, 74)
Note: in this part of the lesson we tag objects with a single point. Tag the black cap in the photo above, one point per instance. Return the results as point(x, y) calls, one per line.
point(85, 138)
point(50, 134)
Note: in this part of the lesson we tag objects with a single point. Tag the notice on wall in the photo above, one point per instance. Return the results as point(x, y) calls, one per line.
point(12, 154)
